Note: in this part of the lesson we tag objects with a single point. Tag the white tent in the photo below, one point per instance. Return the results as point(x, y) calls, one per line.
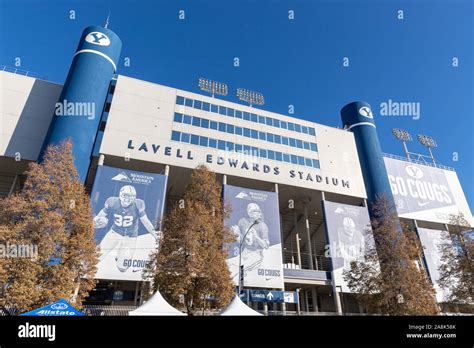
point(156, 305)
point(237, 307)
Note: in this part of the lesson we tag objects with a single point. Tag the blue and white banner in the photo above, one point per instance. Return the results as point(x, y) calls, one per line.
point(270, 296)
point(261, 242)
point(128, 207)
point(350, 235)
point(432, 240)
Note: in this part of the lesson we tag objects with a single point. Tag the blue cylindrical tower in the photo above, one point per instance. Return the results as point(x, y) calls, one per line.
point(80, 105)
point(358, 118)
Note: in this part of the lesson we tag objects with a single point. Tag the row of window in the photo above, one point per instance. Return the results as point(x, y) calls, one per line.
point(245, 149)
point(247, 116)
point(246, 132)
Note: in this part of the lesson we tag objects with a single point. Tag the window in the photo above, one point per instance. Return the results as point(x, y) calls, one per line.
point(229, 146)
point(269, 121)
point(293, 142)
point(291, 126)
point(214, 108)
point(203, 141)
point(277, 139)
point(308, 162)
point(179, 100)
point(263, 153)
point(283, 124)
point(222, 127)
point(311, 131)
point(278, 156)
point(276, 123)
point(315, 163)
point(261, 119)
point(305, 145)
point(299, 144)
point(213, 125)
point(238, 130)
point(175, 135)
point(301, 160)
point(246, 116)
point(187, 119)
point(286, 157)
point(198, 104)
point(221, 144)
point(271, 154)
point(222, 110)
point(254, 134)
point(196, 121)
point(313, 147)
point(204, 123)
point(194, 139)
point(185, 137)
point(230, 112)
point(270, 137)
point(238, 148)
point(284, 140)
point(262, 135)
point(247, 132)
point(213, 143)
point(238, 114)
point(254, 151)
point(294, 159)
point(178, 117)
point(206, 106)
point(298, 128)
point(254, 118)
point(188, 102)
point(304, 129)
point(230, 129)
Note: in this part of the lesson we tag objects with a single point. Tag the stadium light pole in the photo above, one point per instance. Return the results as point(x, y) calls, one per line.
point(403, 136)
point(212, 87)
point(241, 274)
point(251, 97)
point(428, 142)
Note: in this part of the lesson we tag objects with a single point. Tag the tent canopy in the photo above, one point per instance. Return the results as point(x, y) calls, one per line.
point(237, 307)
point(58, 308)
point(156, 305)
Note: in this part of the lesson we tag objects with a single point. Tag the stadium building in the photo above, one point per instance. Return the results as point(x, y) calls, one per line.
point(298, 189)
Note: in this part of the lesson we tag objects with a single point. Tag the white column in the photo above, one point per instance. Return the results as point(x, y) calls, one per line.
point(101, 159)
point(167, 170)
point(224, 179)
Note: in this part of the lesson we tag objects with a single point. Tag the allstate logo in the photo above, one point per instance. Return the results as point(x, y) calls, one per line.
point(414, 172)
point(98, 38)
point(59, 306)
point(366, 112)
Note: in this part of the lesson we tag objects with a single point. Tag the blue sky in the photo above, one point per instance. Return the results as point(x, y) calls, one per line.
point(297, 62)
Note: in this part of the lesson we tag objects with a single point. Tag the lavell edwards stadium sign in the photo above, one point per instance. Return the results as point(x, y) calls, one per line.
point(239, 161)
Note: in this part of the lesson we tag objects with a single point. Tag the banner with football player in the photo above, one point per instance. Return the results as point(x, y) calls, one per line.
point(128, 207)
point(350, 235)
point(255, 221)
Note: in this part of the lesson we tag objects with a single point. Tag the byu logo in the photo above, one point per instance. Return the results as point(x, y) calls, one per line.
point(366, 112)
point(98, 38)
point(414, 172)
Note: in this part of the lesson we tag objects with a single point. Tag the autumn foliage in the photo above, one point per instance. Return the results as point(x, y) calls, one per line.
point(52, 213)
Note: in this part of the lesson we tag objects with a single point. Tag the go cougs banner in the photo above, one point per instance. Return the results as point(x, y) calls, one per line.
point(261, 248)
point(349, 235)
point(425, 193)
point(431, 241)
point(127, 206)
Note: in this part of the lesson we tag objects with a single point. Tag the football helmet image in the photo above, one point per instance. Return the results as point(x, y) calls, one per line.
point(254, 211)
point(349, 227)
point(127, 195)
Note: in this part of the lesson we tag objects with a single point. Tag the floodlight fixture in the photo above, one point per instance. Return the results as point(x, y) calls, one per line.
point(213, 87)
point(251, 97)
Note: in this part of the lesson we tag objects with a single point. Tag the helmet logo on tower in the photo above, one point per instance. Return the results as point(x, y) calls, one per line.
point(366, 112)
point(98, 38)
